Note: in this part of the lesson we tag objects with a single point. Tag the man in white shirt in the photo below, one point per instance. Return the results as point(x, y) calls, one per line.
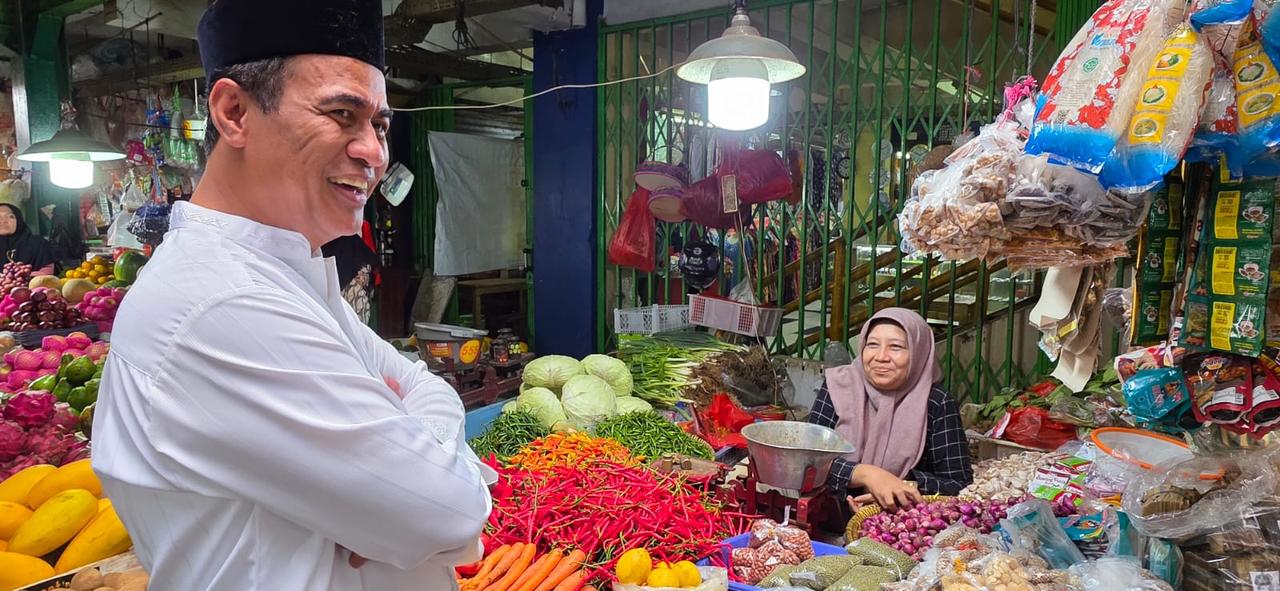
point(252, 433)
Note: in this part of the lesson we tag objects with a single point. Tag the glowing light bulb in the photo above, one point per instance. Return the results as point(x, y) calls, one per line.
point(71, 173)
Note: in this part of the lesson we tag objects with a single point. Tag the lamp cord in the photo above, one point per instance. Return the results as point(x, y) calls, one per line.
point(539, 93)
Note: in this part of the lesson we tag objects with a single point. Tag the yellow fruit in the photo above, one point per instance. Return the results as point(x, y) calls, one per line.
point(12, 515)
point(17, 570)
point(4, 545)
point(687, 573)
point(103, 503)
point(104, 537)
point(48, 281)
point(56, 521)
point(78, 474)
point(634, 566)
point(662, 577)
point(16, 488)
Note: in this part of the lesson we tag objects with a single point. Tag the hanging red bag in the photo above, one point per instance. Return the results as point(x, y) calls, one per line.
point(1032, 427)
point(633, 244)
point(761, 175)
point(702, 204)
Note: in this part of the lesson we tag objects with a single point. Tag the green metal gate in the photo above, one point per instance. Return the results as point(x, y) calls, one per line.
point(887, 81)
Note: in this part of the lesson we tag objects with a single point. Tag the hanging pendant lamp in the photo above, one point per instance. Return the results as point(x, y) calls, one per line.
point(739, 69)
point(71, 154)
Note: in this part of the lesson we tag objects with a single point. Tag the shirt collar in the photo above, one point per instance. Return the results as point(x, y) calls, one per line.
point(285, 244)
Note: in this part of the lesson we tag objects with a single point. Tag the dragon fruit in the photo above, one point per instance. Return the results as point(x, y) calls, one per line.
point(64, 417)
point(31, 409)
point(13, 439)
point(52, 444)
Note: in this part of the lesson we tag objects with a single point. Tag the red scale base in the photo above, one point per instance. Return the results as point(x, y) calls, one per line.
point(815, 505)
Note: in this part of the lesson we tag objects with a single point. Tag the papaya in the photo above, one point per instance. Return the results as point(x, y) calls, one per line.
point(4, 546)
point(12, 515)
point(104, 537)
point(103, 503)
point(56, 521)
point(15, 488)
point(77, 474)
point(19, 570)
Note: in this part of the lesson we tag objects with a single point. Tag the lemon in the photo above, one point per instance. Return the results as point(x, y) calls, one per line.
point(687, 574)
point(662, 577)
point(634, 567)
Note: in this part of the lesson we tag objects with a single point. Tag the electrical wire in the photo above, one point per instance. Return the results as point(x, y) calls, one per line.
point(537, 94)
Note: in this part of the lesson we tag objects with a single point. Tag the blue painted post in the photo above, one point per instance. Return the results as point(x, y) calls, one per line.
point(564, 195)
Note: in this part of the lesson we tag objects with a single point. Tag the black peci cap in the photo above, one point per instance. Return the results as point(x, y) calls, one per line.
point(235, 32)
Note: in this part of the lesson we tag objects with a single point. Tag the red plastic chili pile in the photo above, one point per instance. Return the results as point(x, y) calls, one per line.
point(605, 509)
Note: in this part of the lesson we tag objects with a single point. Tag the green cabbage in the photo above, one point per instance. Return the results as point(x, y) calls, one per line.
point(628, 404)
point(551, 371)
point(587, 400)
point(610, 369)
point(541, 403)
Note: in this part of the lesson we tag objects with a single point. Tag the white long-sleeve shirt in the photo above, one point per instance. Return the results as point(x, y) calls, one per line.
point(248, 440)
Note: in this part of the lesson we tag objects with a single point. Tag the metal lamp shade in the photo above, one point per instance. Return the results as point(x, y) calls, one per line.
point(739, 41)
point(70, 144)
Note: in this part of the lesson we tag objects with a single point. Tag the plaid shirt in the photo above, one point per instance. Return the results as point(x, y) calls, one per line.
point(944, 467)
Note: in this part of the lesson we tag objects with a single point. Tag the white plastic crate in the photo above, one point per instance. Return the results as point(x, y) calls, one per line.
point(736, 317)
point(650, 319)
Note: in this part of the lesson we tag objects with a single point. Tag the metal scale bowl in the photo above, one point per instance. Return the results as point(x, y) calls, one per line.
point(792, 460)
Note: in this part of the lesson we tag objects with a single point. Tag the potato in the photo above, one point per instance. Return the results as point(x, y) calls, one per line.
point(120, 580)
point(134, 585)
point(104, 589)
point(86, 580)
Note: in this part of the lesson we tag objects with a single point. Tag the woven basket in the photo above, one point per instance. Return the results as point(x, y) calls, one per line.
point(854, 530)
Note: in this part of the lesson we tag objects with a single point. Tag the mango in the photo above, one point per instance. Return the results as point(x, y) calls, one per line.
point(19, 570)
point(15, 488)
point(12, 515)
point(104, 537)
point(77, 474)
point(55, 523)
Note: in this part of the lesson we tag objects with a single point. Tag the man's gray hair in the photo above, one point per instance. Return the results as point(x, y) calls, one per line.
point(262, 79)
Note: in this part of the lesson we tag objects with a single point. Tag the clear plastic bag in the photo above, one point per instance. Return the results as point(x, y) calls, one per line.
point(863, 578)
point(713, 579)
point(1216, 133)
point(1257, 106)
point(789, 537)
point(1032, 526)
point(1114, 573)
point(1086, 101)
point(1197, 496)
point(876, 553)
point(1165, 116)
point(823, 571)
point(954, 211)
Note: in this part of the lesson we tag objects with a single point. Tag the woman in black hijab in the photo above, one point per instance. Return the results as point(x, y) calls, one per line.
point(19, 243)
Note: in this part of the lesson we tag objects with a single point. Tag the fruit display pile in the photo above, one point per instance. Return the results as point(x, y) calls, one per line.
point(100, 305)
point(13, 275)
point(38, 308)
point(912, 530)
point(54, 520)
point(43, 368)
point(36, 429)
point(98, 270)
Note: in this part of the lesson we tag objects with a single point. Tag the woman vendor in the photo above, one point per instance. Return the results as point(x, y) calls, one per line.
point(19, 243)
point(888, 405)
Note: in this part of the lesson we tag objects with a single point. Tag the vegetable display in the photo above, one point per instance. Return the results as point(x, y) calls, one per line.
point(611, 370)
point(587, 400)
point(508, 434)
point(518, 567)
point(1004, 479)
point(567, 450)
point(912, 530)
point(551, 371)
point(649, 435)
point(541, 403)
point(662, 365)
point(604, 509)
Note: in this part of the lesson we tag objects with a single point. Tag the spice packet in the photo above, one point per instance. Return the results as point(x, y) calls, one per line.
point(1159, 259)
point(1221, 387)
point(1264, 415)
point(1157, 398)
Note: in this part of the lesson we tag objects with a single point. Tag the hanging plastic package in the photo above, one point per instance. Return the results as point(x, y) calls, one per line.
point(1257, 89)
point(700, 264)
point(1086, 101)
point(1165, 116)
point(1215, 135)
point(632, 244)
point(150, 223)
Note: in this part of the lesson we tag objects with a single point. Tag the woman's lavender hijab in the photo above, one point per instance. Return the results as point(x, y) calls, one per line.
point(888, 428)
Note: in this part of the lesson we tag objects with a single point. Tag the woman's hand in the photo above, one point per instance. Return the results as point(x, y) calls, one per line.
point(889, 491)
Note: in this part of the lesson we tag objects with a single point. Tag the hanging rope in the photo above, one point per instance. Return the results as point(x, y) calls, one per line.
point(1031, 39)
point(968, 41)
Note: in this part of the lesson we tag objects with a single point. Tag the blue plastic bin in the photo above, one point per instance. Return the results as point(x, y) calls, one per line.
point(744, 540)
point(479, 419)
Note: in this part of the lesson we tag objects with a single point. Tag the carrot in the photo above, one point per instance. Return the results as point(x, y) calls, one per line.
point(539, 571)
point(573, 582)
point(571, 563)
point(517, 568)
point(489, 562)
point(590, 588)
point(500, 568)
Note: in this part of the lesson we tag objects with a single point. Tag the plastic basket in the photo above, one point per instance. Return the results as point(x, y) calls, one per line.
point(651, 319)
point(735, 317)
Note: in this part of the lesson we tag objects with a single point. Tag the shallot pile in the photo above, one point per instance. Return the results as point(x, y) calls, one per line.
point(912, 530)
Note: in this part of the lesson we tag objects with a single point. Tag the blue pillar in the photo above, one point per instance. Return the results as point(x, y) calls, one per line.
point(565, 250)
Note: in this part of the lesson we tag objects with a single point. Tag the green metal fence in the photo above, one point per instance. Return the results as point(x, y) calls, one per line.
point(887, 81)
